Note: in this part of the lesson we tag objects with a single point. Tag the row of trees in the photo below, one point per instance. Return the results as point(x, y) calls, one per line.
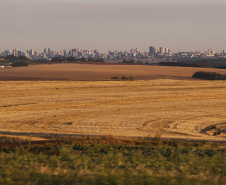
point(55, 60)
point(123, 78)
point(133, 62)
point(220, 63)
point(72, 59)
point(209, 75)
point(19, 64)
point(14, 58)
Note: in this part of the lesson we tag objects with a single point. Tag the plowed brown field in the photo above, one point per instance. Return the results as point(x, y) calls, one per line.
point(170, 108)
point(98, 72)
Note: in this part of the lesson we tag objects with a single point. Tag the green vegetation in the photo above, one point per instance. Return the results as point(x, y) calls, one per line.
point(217, 63)
point(74, 60)
point(19, 64)
point(14, 58)
point(114, 78)
point(205, 63)
point(95, 60)
point(73, 163)
point(122, 78)
point(181, 64)
point(209, 75)
point(128, 61)
point(126, 78)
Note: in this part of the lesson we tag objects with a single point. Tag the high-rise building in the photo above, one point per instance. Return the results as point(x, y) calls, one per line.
point(133, 50)
point(31, 52)
point(74, 54)
point(166, 50)
point(49, 52)
point(28, 56)
point(211, 52)
point(15, 52)
point(5, 53)
point(36, 53)
point(45, 51)
point(152, 50)
point(19, 53)
point(64, 53)
point(161, 50)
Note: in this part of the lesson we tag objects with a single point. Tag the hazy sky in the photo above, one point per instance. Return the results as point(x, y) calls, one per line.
point(183, 25)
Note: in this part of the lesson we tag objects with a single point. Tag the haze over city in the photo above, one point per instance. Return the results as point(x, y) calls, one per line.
point(119, 25)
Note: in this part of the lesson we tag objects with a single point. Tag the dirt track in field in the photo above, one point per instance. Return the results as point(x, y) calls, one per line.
point(182, 109)
point(98, 72)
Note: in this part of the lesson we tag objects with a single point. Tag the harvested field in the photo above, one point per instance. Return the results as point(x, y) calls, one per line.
point(98, 72)
point(183, 109)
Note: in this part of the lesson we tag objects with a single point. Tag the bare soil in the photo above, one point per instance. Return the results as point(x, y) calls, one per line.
point(98, 72)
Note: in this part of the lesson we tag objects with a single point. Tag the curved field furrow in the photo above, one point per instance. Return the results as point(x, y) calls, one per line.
point(171, 108)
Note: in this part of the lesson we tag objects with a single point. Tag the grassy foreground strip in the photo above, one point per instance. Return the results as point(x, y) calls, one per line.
point(98, 163)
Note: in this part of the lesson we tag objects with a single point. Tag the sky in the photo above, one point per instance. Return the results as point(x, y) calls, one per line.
point(188, 25)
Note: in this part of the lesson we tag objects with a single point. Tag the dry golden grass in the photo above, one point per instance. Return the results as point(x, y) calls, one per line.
point(171, 108)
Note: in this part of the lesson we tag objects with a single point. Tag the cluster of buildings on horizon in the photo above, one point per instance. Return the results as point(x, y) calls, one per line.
point(154, 54)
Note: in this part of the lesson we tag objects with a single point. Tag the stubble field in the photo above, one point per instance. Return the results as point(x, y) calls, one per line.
point(168, 108)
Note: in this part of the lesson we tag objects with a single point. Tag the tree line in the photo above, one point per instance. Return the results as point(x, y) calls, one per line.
point(72, 60)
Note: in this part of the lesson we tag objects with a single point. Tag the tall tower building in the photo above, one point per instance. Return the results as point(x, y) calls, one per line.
point(45, 51)
point(211, 52)
point(166, 50)
point(15, 52)
point(161, 50)
point(152, 50)
point(133, 50)
point(64, 53)
point(31, 52)
point(49, 52)
point(19, 53)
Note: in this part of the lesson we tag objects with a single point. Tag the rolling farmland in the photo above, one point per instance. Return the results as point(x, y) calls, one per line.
point(183, 109)
point(67, 124)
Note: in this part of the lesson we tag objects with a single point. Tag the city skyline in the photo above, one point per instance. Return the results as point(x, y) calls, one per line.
point(161, 54)
point(106, 25)
point(109, 50)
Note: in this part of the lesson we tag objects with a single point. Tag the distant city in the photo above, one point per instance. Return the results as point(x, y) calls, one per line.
point(154, 55)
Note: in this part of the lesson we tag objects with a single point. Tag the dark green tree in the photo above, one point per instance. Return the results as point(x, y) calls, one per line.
point(19, 64)
point(22, 58)
point(11, 57)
